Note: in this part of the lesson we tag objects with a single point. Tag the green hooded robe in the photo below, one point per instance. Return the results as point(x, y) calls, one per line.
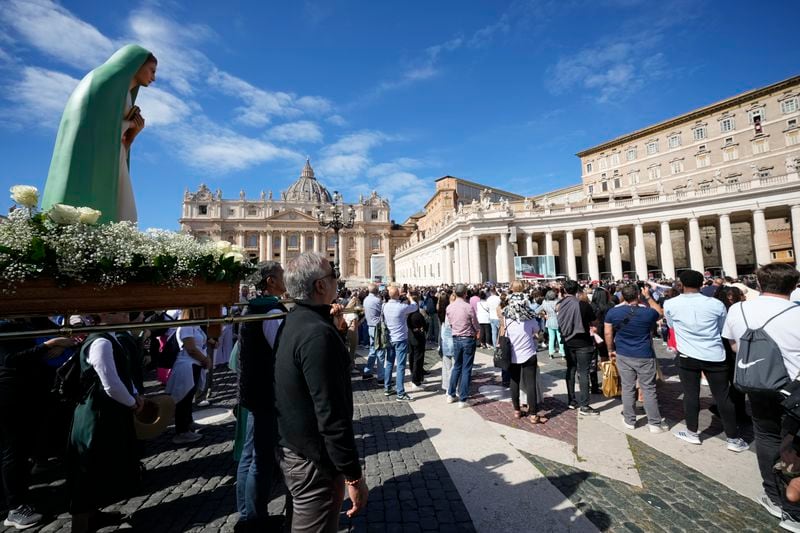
point(85, 167)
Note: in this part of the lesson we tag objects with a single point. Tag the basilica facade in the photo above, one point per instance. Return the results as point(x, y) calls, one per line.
point(280, 228)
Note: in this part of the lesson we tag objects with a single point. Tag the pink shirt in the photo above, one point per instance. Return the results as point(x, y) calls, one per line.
point(462, 319)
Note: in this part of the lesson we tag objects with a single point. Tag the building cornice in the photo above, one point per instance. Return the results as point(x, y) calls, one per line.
point(692, 115)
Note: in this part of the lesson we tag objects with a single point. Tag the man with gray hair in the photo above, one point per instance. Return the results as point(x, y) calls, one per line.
point(466, 333)
point(373, 306)
point(395, 314)
point(314, 401)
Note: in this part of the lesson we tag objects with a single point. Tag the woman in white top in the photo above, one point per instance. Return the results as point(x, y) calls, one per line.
point(484, 312)
point(185, 375)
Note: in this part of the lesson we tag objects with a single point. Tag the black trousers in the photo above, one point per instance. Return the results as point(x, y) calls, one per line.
point(183, 409)
point(716, 373)
point(416, 356)
point(528, 370)
point(14, 448)
point(579, 361)
point(486, 334)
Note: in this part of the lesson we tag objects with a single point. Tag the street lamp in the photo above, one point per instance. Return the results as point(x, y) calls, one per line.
point(333, 216)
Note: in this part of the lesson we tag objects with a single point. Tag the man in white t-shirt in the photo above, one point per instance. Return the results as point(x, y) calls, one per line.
point(776, 281)
point(494, 302)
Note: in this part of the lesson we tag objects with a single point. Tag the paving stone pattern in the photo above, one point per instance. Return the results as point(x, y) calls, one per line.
point(191, 488)
point(673, 498)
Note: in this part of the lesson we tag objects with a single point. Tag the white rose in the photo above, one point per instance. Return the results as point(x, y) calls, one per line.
point(239, 258)
point(25, 195)
point(64, 214)
point(223, 247)
point(89, 215)
point(236, 248)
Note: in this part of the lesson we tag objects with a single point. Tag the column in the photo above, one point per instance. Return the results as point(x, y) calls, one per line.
point(639, 251)
point(726, 250)
point(363, 256)
point(270, 248)
point(302, 243)
point(342, 244)
point(283, 248)
point(387, 253)
point(240, 239)
point(316, 241)
point(474, 259)
point(502, 265)
point(548, 243)
point(491, 261)
point(614, 254)
point(696, 246)
point(463, 253)
point(760, 238)
point(667, 259)
point(262, 246)
point(528, 243)
point(456, 261)
point(591, 254)
point(796, 234)
point(572, 269)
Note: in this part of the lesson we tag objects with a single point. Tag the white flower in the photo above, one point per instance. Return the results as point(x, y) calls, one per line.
point(239, 258)
point(223, 247)
point(25, 195)
point(89, 215)
point(238, 249)
point(64, 214)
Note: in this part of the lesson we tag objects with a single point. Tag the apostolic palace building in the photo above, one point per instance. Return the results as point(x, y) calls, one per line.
point(715, 189)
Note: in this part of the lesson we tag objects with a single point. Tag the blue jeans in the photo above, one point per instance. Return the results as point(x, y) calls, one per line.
point(255, 470)
point(495, 328)
point(375, 356)
point(463, 357)
point(399, 351)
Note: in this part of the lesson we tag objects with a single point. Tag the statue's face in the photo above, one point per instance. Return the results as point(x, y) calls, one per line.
point(146, 74)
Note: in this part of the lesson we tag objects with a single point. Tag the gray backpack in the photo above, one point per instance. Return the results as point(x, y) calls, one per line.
point(759, 361)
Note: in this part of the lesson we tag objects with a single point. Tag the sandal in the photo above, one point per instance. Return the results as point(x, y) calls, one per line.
point(538, 419)
point(517, 413)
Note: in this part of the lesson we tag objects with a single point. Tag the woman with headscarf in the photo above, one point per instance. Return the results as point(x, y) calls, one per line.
point(90, 164)
point(518, 323)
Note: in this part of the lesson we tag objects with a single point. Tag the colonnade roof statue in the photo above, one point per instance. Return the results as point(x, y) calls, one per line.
point(91, 156)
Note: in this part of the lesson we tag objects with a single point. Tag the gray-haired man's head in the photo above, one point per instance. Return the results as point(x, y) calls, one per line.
point(461, 290)
point(373, 289)
point(309, 276)
point(271, 278)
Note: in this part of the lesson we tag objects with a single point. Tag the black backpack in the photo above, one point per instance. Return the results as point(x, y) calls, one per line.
point(168, 350)
point(71, 386)
point(759, 361)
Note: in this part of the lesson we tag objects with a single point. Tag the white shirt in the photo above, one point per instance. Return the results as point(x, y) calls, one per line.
point(795, 296)
point(101, 358)
point(483, 311)
point(783, 329)
point(494, 302)
point(270, 327)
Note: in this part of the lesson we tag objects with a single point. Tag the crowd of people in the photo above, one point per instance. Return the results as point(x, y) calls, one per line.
point(295, 408)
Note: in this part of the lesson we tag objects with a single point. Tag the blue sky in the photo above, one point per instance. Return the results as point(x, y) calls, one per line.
point(381, 95)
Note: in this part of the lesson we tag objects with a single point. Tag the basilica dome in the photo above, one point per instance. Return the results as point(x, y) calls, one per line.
point(307, 188)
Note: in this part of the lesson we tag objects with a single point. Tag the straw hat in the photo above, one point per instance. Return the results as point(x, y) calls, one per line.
point(156, 415)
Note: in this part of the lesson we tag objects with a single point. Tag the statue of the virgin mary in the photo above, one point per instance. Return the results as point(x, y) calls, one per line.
point(91, 162)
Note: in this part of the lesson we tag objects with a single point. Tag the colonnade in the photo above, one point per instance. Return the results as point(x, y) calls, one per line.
point(477, 255)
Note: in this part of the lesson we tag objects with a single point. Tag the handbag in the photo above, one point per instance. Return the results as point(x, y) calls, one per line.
point(502, 353)
point(611, 381)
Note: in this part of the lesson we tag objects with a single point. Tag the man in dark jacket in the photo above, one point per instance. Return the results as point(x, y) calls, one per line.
point(416, 344)
point(574, 321)
point(257, 474)
point(314, 401)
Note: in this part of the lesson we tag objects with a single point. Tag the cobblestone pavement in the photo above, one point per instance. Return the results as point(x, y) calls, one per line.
point(673, 498)
point(191, 488)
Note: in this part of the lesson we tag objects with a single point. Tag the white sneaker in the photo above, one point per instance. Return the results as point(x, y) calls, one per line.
point(661, 427)
point(737, 445)
point(789, 524)
point(772, 508)
point(688, 436)
point(414, 387)
point(462, 405)
point(203, 403)
point(450, 399)
point(627, 425)
point(186, 438)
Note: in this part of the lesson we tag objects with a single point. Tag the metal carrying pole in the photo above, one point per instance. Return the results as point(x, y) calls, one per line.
point(68, 331)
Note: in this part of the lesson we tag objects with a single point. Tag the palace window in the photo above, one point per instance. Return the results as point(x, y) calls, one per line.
point(374, 214)
point(202, 209)
point(728, 141)
point(588, 168)
point(700, 133)
point(604, 186)
point(252, 211)
point(654, 172)
point(252, 241)
point(603, 163)
point(617, 183)
point(674, 141)
point(792, 138)
point(633, 177)
point(591, 189)
point(760, 112)
point(231, 211)
point(614, 159)
point(375, 243)
point(761, 146)
point(331, 242)
point(630, 155)
point(791, 123)
point(309, 242)
point(276, 242)
point(726, 125)
point(730, 154)
point(789, 105)
point(675, 167)
point(652, 147)
point(294, 242)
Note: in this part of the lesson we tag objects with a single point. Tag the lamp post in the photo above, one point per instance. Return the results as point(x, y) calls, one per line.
point(333, 216)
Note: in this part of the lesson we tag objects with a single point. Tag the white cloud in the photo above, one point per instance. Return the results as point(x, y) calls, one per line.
point(356, 143)
point(344, 166)
point(40, 96)
point(56, 32)
point(261, 105)
point(337, 120)
point(406, 192)
point(160, 108)
point(403, 163)
point(292, 132)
